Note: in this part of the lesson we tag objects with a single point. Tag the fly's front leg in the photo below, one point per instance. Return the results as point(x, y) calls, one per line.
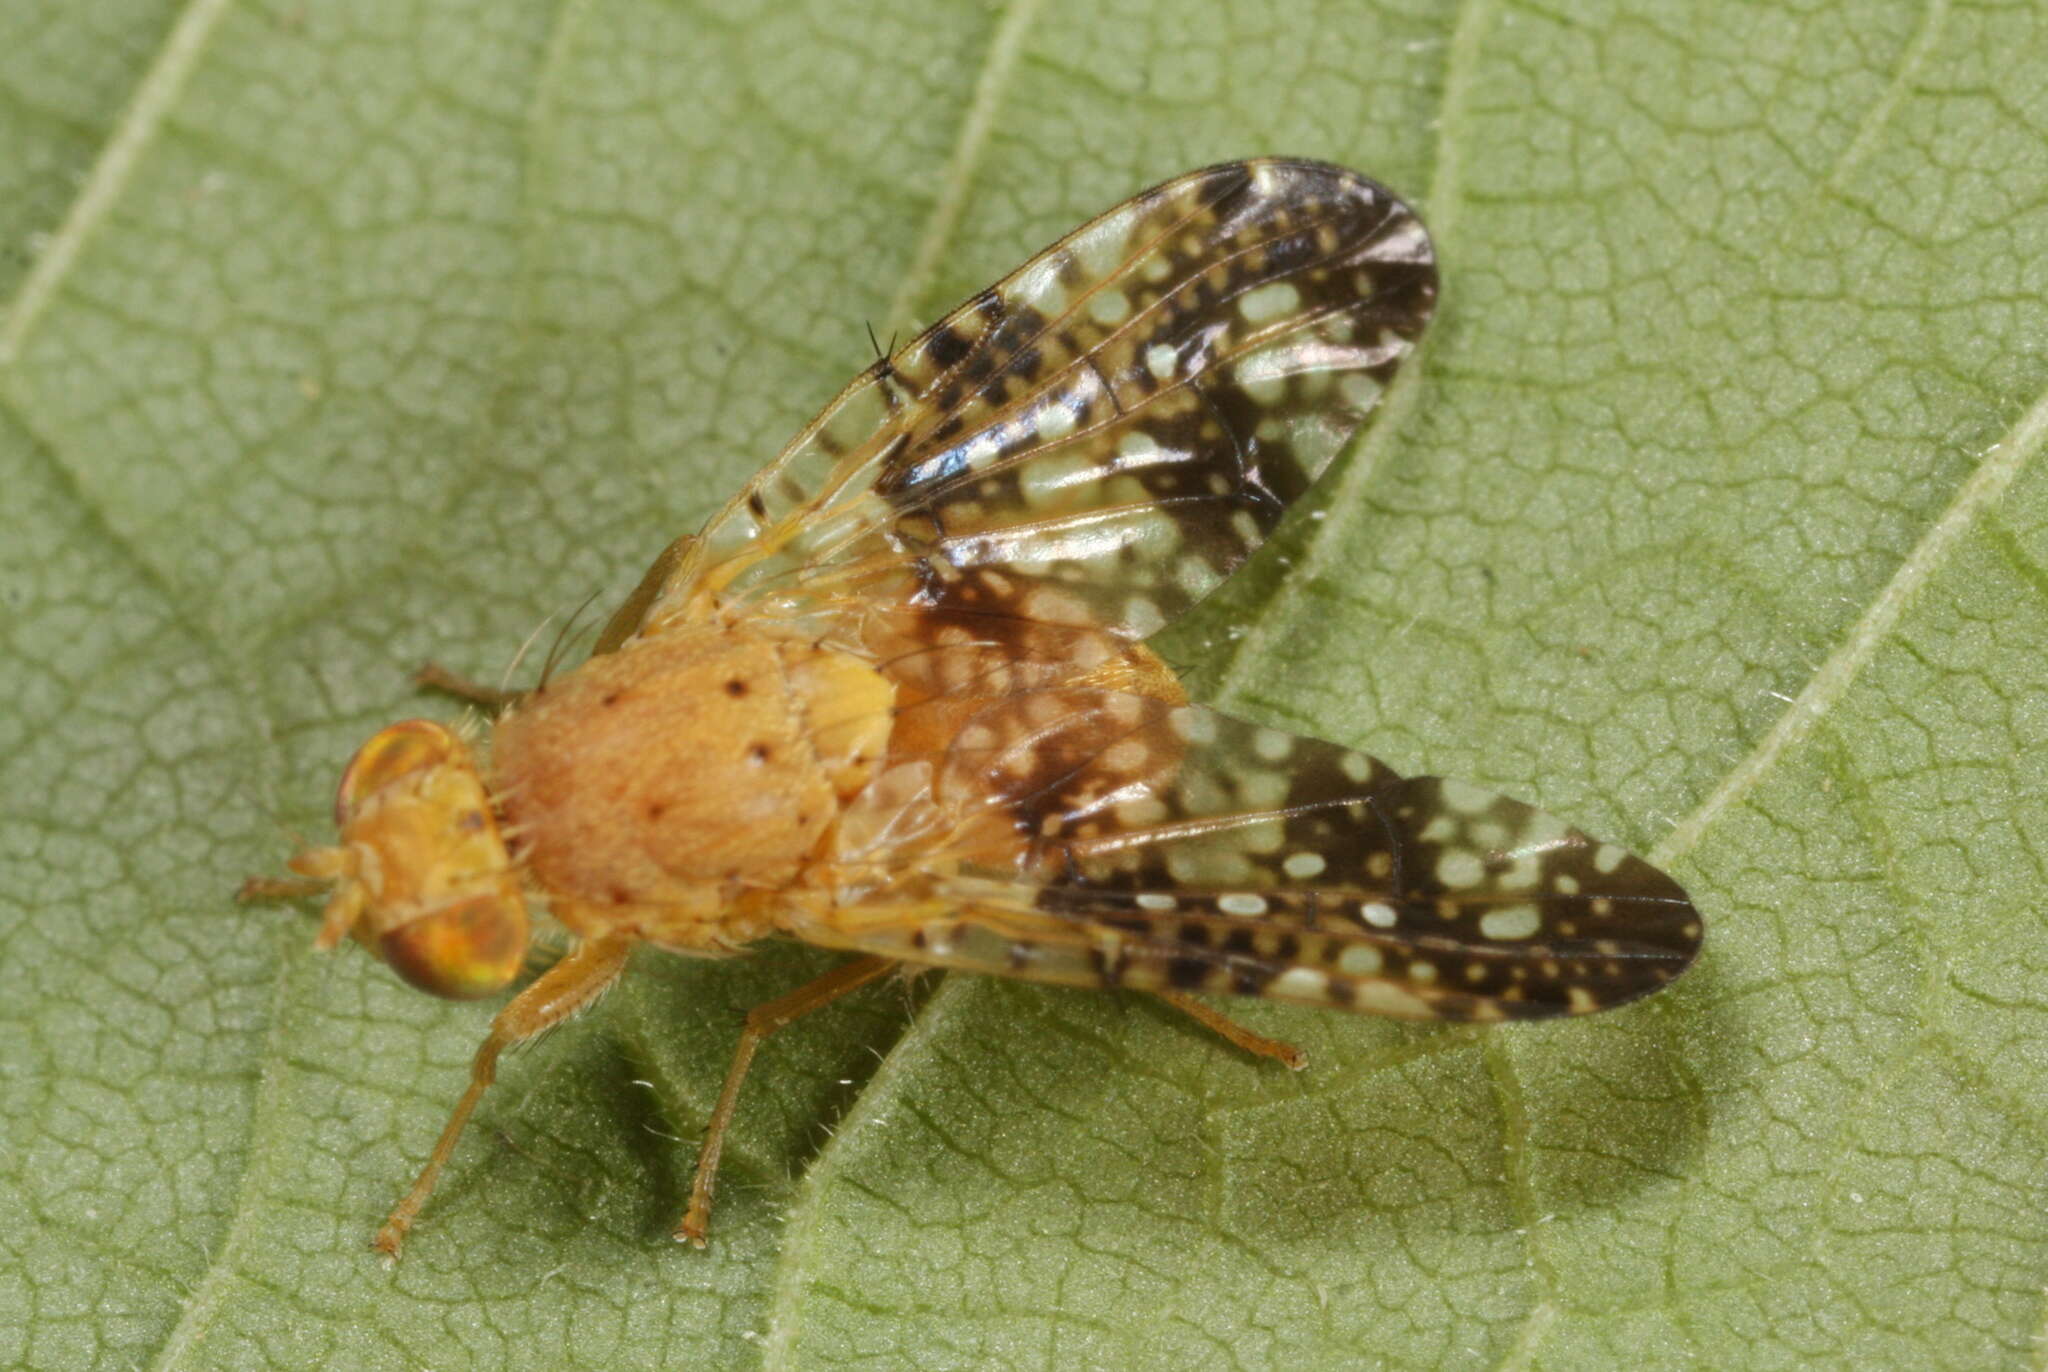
point(557, 994)
point(435, 677)
point(762, 1021)
point(254, 889)
point(624, 622)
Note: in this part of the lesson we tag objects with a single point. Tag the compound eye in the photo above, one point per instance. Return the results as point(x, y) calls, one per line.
point(411, 745)
point(463, 951)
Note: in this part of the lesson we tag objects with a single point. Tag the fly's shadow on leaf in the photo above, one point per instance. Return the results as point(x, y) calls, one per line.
point(555, 1166)
point(1586, 1123)
point(1389, 1152)
point(806, 1076)
point(1606, 1117)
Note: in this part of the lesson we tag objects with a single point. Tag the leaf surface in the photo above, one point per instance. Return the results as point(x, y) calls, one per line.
point(336, 337)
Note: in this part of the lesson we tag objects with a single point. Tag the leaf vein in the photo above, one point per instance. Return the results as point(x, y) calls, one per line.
point(989, 88)
point(1887, 104)
point(1446, 188)
point(1979, 492)
point(270, 1113)
point(103, 186)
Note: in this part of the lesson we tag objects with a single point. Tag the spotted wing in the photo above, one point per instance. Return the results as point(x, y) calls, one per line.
point(1160, 845)
point(1118, 423)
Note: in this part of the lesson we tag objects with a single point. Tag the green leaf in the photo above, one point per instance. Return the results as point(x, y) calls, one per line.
point(338, 336)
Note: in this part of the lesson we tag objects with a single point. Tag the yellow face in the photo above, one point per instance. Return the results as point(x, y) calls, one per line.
point(421, 877)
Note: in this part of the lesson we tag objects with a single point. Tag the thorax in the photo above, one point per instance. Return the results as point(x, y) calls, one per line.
point(679, 787)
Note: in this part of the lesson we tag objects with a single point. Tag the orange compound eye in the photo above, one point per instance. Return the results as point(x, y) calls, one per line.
point(411, 745)
point(462, 952)
point(425, 880)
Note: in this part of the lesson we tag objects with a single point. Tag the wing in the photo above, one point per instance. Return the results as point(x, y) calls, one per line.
point(1105, 434)
point(1159, 845)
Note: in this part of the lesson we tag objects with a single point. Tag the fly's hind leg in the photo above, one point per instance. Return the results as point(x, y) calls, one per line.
point(762, 1021)
point(567, 987)
point(1258, 1045)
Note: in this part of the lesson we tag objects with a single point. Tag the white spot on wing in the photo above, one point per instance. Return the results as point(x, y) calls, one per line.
point(1109, 307)
point(1511, 922)
point(1263, 790)
point(1055, 421)
point(1140, 813)
point(1303, 866)
point(1359, 390)
point(1048, 479)
point(1040, 288)
point(1405, 243)
point(1303, 982)
point(1141, 614)
point(1268, 302)
point(1360, 960)
point(1101, 250)
point(1460, 870)
point(1383, 998)
point(1195, 577)
point(1466, 799)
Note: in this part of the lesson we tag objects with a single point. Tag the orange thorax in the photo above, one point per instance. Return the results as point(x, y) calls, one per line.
point(685, 771)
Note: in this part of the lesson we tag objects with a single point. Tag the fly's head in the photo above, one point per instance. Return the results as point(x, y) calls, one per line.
point(421, 876)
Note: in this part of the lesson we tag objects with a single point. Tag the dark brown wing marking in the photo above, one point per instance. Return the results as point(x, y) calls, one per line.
point(1104, 435)
point(1062, 466)
point(1163, 845)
